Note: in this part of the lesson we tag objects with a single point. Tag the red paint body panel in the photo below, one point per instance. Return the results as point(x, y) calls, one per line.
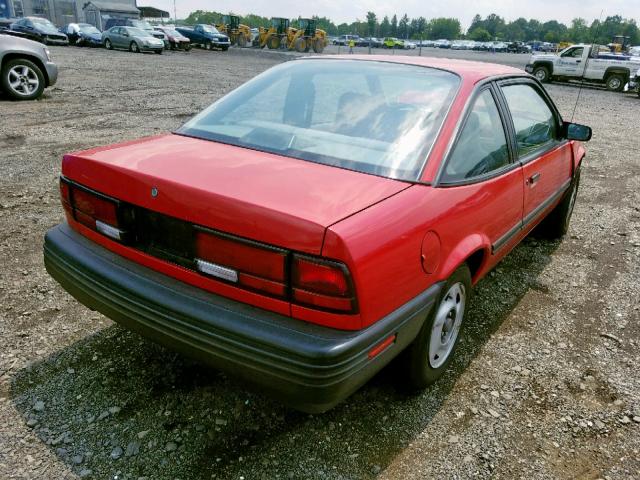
point(384, 244)
point(272, 199)
point(550, 171)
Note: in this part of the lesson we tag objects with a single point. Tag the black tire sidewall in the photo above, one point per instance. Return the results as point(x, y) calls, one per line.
point(416, 369)
point(4, 80)
point(546, 76)
point(620, 86)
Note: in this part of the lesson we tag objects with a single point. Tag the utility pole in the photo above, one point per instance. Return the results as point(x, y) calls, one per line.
point(175, 15)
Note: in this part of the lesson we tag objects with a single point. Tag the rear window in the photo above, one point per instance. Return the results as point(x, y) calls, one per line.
point(373, 117)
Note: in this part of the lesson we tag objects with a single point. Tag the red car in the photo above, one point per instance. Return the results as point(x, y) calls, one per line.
point(176, 40)
point(321, 219)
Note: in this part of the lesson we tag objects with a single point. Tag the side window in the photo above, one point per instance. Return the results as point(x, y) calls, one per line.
point(482, 146)
point(533, 120)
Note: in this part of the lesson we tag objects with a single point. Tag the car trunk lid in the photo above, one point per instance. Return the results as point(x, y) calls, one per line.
point(260, 196)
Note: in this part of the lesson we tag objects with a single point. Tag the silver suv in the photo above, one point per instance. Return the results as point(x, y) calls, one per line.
point(26, 68)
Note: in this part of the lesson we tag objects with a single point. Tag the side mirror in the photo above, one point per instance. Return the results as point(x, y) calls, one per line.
point(125, 34)
point(575, 131)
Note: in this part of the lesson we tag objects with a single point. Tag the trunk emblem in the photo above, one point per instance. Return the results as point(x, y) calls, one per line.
point(154, 192)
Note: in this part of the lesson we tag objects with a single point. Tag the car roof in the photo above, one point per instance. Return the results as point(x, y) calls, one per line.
point(468, 70)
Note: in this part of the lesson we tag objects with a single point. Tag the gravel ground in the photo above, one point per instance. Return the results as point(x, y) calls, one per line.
point(546, 382)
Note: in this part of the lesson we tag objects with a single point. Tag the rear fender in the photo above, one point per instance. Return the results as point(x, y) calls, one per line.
point(463, 251)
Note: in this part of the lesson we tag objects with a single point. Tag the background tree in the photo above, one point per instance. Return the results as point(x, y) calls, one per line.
point(372, 22)
point(394, 26)
point(448, 28)
point(403, 27)
point(479, 34)
point(385, 27)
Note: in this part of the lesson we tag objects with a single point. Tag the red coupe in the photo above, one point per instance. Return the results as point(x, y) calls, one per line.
point(321, 219)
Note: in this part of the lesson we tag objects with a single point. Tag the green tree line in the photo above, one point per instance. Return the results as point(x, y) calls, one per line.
point(492, 27)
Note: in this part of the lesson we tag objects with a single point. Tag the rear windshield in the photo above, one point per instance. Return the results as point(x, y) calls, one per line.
point(372, 117)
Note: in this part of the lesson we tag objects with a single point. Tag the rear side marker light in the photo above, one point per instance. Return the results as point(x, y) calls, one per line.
point(218, 271)
point(382, 346)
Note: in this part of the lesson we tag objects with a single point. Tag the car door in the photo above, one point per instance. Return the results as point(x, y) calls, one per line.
point(483, 183)
point(546, 159)
point(120, 37)
point(570, 63)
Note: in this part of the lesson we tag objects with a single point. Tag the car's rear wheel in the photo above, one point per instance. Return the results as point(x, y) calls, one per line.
point(133, 46)
point(159, 52)
point(542, 74)
point(556, 225)
point(108, 45)
point(22, 79)
point(615, 82)
point(427, 358)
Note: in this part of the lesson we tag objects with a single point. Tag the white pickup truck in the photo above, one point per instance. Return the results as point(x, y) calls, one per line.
point(587, 62)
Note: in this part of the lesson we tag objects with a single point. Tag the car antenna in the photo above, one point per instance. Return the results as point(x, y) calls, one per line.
point(584, 67)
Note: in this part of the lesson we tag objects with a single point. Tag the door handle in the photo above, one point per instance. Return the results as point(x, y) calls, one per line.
point(579, 61)
point(533, 179)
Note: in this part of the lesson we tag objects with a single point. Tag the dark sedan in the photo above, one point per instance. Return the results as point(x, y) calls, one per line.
point(82, 34)
point(41, 30)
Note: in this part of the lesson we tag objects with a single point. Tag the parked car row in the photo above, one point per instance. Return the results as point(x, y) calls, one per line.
point(122, 33)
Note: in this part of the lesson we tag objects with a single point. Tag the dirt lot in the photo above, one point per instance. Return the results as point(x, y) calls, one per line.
point(546, 384)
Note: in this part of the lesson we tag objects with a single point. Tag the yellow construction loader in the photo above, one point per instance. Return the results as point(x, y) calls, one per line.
point(308, 36)
point(238, 33)
point(276, 35)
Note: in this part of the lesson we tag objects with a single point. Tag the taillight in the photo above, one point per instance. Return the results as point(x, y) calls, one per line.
point(91, 209)
point(322, 284)
point(252, 265)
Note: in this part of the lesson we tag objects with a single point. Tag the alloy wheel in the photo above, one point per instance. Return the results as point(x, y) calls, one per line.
point(23, 80)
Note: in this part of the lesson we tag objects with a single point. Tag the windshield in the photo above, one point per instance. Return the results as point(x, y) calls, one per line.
point(372, 117)
point(209, 29)
point(137, 32)
point(142, 24)
point(43, 22)
point(88, 29)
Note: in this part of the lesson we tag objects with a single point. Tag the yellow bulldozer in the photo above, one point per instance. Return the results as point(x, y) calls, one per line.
point(238, 33)
point(308, 36)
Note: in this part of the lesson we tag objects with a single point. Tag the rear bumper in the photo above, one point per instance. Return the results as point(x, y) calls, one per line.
point(307, 366)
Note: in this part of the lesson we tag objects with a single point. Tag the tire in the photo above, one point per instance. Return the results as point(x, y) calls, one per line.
point(273, 42)
point(542, 74)
point(133, 47)
point(22, 79)
point(224, 49)
point(159, 52)
point(108, 45)
point(615, 82)
point(427, 358)
point(318, 45)
point(556, 225)
point(300, 45)
point(242, 41)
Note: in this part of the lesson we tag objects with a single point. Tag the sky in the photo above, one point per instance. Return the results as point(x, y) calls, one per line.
point(350, 10)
